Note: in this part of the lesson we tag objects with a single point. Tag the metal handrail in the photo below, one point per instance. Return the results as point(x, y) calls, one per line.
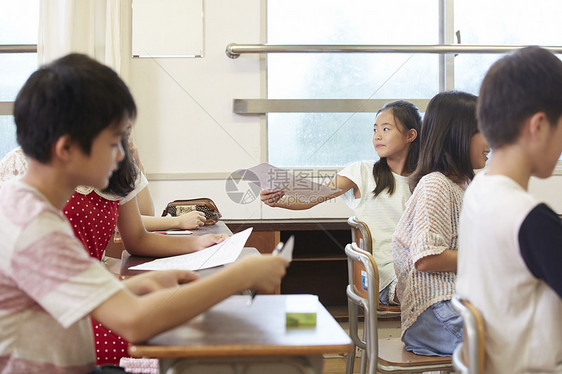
point(234, 50)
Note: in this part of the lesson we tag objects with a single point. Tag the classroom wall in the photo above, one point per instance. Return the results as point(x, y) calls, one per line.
point(186, 129)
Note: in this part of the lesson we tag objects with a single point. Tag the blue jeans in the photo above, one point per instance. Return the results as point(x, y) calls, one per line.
point(436, 332)
point(386, 295)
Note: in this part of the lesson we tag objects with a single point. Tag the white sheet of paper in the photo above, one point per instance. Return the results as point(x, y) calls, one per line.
point(218, 254)
point(273, 178)
point(176, 232)
point(287, 250)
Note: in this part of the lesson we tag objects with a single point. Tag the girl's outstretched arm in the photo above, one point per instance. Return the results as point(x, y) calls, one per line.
point(277, 198)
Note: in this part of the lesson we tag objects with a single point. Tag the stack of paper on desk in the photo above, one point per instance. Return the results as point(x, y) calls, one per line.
point(216, 255)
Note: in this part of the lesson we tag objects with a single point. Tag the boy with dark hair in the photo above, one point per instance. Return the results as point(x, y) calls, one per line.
point(71, 116)
point(510, 243)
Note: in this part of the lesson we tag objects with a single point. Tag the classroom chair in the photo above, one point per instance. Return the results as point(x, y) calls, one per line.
point(361, 235)
point(115, 246)
point(383, 355)
point(469, 356)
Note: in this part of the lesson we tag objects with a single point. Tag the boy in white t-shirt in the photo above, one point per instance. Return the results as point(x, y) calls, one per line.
point(71, 116)
point(511, 244)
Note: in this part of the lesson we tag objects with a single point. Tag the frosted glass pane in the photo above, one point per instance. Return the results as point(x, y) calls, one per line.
point(352, 76)
point(522, 22)
point(7, 135)
point(19, 22)
point(320, 139)
point(16, 68)
point(516, 22)
point(337, 139)
point(352, 22)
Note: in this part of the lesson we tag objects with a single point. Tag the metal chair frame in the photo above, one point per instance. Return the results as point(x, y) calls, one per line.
point(469, 356)
point(361, 235)
point(369, 304)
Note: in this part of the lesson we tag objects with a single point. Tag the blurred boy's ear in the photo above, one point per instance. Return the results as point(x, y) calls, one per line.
point(537, 125)
point(62, 148)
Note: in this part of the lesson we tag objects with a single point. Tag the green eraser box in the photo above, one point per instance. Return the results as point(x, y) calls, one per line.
point(300, 310)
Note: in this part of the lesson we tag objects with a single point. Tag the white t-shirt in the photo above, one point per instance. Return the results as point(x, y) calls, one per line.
point(381, 214)
point(48, 286)
point(510, 249)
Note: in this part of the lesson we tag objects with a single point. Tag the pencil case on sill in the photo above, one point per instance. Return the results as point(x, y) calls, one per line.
point(204, 204)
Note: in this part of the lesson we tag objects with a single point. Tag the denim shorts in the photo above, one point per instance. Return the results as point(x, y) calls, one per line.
point(386, 295)
point(436, 332)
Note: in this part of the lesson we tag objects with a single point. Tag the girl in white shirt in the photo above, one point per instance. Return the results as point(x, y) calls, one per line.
point(376, 191)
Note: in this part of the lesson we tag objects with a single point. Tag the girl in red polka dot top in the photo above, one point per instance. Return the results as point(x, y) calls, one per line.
point(94, 215)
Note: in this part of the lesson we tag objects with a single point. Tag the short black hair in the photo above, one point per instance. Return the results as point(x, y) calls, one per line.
point(447, 129)
point(517, 86)
point(74, 95)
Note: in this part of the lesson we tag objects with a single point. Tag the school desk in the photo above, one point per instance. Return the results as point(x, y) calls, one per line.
point(218, 228)
point(235, 336)
point(115, 246)
point(319, 264)
point(128, 261)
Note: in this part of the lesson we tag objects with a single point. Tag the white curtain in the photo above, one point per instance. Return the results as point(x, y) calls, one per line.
point(98, 28)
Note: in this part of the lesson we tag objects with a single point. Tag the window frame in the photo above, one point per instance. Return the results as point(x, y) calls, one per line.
point(6, 107)
point(446, 82)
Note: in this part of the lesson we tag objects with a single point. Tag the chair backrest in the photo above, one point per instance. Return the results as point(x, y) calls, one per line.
point(470, 356)
point(384, 355)
point(361, 237)
point(367, 301)
point(360, 234)
point(368, 287)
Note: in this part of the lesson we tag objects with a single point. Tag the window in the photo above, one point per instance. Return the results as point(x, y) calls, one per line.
point(19, 22)
point(520, 23)
point(337, 139)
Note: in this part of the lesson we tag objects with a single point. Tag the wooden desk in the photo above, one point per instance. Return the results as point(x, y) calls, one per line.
point(115, 246)
point(234, 333)
point(319, 264)
point(120, 267)
point(218, 228)
point(127, 261)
